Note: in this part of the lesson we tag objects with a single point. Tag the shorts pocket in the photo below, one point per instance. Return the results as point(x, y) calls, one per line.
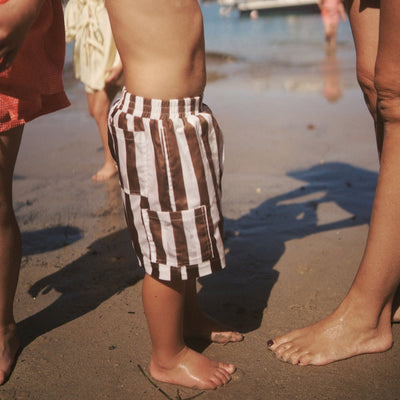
point(179, 238)
point(132, 149)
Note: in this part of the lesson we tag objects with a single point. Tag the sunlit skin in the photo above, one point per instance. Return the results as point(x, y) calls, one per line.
point(362, 322)
point(165, 305)
point(161, 45)
point(99, 103)
point(170, 32)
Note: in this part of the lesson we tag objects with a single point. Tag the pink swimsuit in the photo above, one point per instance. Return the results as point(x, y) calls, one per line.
point(330, 12)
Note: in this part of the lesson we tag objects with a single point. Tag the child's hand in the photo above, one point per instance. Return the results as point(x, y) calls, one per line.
point(114, 73)
point(16, 17)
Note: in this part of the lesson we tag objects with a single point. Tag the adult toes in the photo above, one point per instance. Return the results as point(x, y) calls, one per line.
point(305, 359)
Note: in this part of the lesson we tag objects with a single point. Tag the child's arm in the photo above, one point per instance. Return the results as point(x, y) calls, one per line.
point(114, 73)
point(342, 12)
point(16, 17)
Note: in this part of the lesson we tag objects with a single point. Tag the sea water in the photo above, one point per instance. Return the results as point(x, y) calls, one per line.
point(268, 36)
point(290, 35)
point(283, 44)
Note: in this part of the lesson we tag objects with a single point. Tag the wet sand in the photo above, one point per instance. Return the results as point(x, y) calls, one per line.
point(298, 185)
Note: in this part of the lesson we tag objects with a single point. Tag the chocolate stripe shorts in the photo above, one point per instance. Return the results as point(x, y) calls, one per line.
point(170, 158)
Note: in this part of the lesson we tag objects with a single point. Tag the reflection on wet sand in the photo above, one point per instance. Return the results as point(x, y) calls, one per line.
point(331, 75)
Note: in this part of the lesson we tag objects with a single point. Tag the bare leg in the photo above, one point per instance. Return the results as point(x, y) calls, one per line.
point(99, 104)
point(333, 36)
point(362, 322)
point(171, 360)
point(10, 252)
point(330, 36)
point(198, 324)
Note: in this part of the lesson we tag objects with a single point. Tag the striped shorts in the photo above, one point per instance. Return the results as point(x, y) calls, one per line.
point(170, 158)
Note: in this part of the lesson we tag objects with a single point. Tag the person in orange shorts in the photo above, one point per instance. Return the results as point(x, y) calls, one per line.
point(32, 51)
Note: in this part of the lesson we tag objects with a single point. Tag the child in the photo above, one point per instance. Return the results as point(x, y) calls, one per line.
point(31, 62)
point(169, 152)
point(96, 64)
point(331, 11)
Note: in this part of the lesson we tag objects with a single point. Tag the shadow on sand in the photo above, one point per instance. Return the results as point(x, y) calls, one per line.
point(48, 239)
point(108, 267)
point(237, 295)
point(256, 241)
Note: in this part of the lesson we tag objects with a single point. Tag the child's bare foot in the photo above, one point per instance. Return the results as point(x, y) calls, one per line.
point(193, 370)
point(107, 171)
point(9, 346)
point(396, 315)
point(396, 307)
point(201, 326)
point(341, 335)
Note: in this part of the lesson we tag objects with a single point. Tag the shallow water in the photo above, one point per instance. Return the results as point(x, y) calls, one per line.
point(292, 36)
point(283, 40)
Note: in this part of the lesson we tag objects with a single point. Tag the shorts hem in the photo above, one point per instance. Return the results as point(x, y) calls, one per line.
point(169, 273)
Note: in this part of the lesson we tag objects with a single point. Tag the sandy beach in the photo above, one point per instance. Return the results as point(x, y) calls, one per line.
point(300, 174)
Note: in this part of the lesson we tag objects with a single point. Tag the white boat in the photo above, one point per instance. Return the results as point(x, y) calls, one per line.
point(266, 6)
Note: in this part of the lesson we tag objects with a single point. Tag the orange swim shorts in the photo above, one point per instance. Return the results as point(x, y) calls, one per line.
point(33, 85)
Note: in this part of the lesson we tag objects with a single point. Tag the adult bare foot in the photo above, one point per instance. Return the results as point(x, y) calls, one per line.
point(201, 326)
point(341, 335)
point(9, 347)
point(191, 369)
point(107, 171)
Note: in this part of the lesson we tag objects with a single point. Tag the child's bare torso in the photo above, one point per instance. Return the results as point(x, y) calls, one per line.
point(161, 46)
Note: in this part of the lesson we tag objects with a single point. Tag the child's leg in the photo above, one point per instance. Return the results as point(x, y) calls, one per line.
point(198, 324)
point(172, 361)
point(330, 34)
point(333, 35)
point(99, 105)
point(362, 322)
point(10, 252)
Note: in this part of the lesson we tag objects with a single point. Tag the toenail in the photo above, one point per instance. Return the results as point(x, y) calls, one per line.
point(270, 343)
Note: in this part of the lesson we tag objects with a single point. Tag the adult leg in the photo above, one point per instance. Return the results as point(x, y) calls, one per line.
point(99, 104)
point(199, 325)
point(388, 90)
point(362, 322)
point(10, 252)
point(172, 361)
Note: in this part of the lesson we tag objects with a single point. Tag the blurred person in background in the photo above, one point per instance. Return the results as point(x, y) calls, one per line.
point(97, 64)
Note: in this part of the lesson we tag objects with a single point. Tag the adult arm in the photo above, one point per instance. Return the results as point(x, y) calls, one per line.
point(16, 17)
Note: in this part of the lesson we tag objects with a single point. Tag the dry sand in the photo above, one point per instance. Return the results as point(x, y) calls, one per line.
point(298, 187)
